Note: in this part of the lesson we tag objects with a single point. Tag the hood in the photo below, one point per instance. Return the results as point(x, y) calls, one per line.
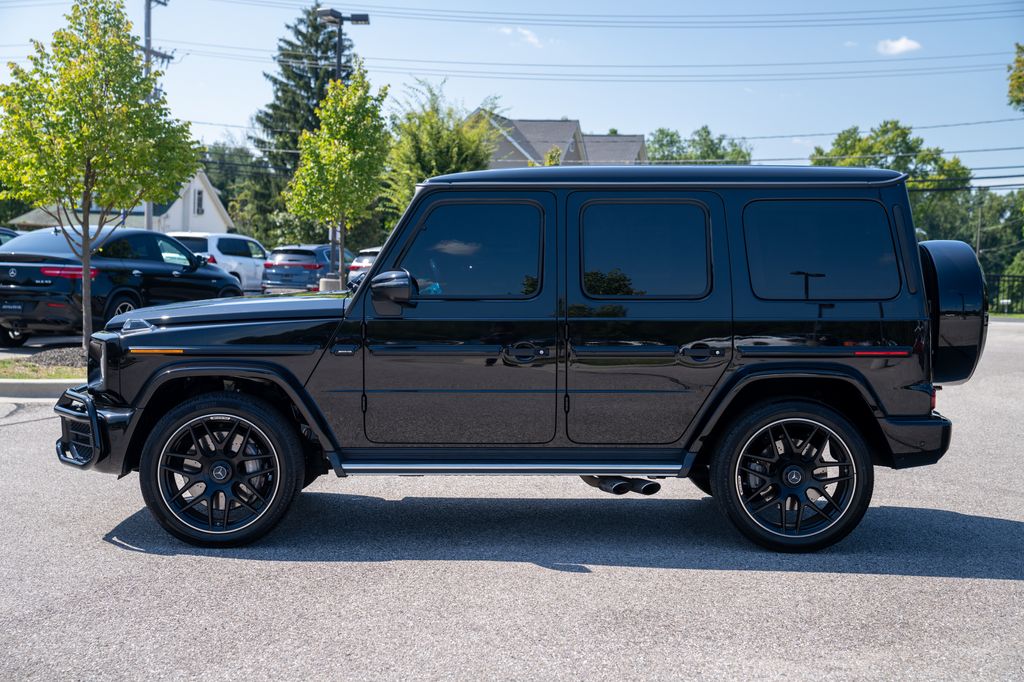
point(239, 309)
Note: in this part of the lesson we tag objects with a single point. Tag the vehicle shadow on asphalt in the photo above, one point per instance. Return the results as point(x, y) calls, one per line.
point(574, 534)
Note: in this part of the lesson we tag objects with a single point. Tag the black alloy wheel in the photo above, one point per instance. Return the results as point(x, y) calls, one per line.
point(221, 469)
point(793, 476)
point(12, 339)
point(120, 304)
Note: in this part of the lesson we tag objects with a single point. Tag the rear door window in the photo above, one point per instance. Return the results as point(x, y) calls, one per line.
point(132, 247)
point(820, 250)
point(645, 249)
point(231, 246)
point(195, 244)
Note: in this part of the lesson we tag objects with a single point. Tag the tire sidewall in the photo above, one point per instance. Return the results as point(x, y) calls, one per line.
point(118, 300)
point(724, 464)
point(273, 425)
point(8, 340)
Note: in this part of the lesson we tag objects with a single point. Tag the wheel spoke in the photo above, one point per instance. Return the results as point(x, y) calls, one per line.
point(760, 474)
point(835, 479)
point(238, 498)
point(828, 498)
point(809, 441)
point(245, 441)
point(753, 495)
point(782, 511)
point(789, 444)
point(764, 506)
point(189, 483)
point(180, 470)
point(195, 500)
point(817, 510)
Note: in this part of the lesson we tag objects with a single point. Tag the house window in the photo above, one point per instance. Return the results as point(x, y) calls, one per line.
point(199, 202)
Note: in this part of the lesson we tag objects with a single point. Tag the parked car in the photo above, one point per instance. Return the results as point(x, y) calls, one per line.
point(7, 234)
point(298, 267)
point(363, 260)
point(41, 280)
point(771, 333)
point(242, 257)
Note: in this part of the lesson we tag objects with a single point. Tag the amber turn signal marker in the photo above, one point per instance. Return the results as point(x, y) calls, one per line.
point(157, 351)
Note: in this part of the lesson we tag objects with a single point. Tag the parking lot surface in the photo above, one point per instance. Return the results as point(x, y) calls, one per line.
point(476, 577)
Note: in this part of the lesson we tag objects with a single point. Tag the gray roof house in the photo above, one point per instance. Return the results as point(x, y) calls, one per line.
point(523, 141)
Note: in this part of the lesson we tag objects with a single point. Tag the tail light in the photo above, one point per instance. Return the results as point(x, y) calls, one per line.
point(268, 264)
point(67, 273)
point(211, 259)
point(311, 266)
point(354, 267)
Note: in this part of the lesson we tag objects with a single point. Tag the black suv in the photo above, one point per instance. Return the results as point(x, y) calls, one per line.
point(41, 280)
point(770, 333)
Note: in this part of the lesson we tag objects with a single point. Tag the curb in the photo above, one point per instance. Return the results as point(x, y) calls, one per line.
point(12, 390)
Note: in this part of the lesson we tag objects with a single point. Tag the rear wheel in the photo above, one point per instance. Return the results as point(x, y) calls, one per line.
point(221, 469)
point(12, 339)
point(120, 304)
point(793, 476)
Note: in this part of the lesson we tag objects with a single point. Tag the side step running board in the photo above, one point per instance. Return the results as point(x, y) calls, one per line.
point(363, 466)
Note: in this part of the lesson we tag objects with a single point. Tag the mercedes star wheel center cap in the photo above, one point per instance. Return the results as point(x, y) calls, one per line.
point(219, 472)
point(794, 476)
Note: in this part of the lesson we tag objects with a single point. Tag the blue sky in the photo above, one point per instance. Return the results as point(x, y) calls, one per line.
point(223, 46)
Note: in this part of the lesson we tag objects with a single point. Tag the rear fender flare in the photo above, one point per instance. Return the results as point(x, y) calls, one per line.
point(707, 419)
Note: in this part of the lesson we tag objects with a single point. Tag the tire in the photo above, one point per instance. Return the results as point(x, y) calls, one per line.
point(209, 485)
point(229, 292)
point(700, 476)
point(793, 476)
point(9, 339)
point(118, 305)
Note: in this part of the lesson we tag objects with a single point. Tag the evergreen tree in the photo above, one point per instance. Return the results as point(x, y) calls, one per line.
point(306, 64)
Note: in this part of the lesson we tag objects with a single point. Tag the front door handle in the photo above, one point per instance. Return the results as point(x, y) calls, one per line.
point(136, 273)
point(176, 273)
point(701, 351)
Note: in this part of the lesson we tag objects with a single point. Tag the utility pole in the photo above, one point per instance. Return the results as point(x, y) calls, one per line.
point(149, 54)
point(333, 17)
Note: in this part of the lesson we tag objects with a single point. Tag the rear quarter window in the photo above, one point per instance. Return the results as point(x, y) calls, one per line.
point(820, 250)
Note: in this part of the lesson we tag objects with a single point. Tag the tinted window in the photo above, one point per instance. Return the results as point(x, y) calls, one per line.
point(231, 246)
point(255, 250)
point(292, 256)
point(172, 252)
point(478, 250)
point(133, 247)
point(820, 250)
point(645, 249)
point(195, 244)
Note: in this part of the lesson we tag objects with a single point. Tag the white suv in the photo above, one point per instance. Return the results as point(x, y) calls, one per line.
point(241, 256)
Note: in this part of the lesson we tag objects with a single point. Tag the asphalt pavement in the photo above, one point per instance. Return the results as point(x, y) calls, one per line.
point(542, 577)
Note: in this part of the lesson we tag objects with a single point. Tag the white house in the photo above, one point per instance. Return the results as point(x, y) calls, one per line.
point(198, 208)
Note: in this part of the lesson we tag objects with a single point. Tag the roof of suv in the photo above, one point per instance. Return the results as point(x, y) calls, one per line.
point(207, 235)
point(702, 175)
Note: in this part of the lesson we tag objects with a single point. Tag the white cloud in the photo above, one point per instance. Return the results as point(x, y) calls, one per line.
point(850, 43)
point(524, 34)
point(898, 46)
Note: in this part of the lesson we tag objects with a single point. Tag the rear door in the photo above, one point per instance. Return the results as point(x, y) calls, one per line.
point(473, 362)
point(649, 316)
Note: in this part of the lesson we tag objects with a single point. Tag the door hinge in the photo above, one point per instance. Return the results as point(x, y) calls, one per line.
point(566, 403)
point(362, 402)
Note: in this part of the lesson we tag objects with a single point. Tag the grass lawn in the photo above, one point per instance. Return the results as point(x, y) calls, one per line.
point(1006, 315)
point(23, 369)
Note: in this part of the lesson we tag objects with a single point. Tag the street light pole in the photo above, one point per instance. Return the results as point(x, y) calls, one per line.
point(148, 54)
point(335, 18)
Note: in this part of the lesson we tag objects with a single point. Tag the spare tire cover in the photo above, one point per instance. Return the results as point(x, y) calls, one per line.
point(958, 300)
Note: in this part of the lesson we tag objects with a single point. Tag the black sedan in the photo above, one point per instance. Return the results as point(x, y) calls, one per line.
point(41, 280)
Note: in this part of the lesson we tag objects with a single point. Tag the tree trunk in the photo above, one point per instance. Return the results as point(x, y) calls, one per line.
point(86, 267)
point(341, 250)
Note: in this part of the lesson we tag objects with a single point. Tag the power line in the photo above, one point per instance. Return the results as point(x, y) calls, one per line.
point(934, 14)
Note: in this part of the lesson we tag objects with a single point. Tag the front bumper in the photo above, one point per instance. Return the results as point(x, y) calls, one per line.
point(92, 437)
point(917, 441)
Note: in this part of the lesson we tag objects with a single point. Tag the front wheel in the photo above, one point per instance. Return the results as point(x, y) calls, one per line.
point(793, 476)
point(221, 469)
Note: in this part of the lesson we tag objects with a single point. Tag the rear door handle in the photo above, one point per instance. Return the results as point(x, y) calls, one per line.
point(701, 351)
point(523, 352)
point(136, 273)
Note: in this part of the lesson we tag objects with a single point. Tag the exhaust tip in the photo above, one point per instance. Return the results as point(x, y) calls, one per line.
point(639, 485)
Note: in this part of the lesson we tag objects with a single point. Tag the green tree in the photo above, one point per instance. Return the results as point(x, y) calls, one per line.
point(434, 137)
point(11, 208)
point(665, 145)
point(1016, 78)
point(342, 162)
point(306, 64)
point(552, 157)
point(83, 136)
point(940, 204)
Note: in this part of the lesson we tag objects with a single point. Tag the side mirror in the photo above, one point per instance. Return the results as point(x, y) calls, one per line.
point(392, 290)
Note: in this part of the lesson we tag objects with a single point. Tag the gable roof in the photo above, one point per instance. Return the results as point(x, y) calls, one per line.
point(615, 149)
